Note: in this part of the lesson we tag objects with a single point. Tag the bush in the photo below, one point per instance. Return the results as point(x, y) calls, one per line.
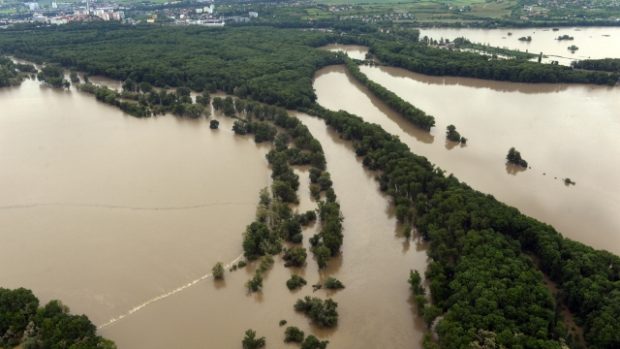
point(293, 334)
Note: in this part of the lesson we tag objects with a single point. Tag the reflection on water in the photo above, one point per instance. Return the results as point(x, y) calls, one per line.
point(568, 131)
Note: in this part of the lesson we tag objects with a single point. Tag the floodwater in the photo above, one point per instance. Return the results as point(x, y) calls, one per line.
point(353, 51)
point(561, 130)
point(122, 219)
point(374, 267)
point(105, 211)
point(593, 42)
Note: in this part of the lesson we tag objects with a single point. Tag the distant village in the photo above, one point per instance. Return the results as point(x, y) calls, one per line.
point(175, 13)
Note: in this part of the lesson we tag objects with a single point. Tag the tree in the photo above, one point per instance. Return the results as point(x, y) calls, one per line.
point(218, 271)
point(322, 254)
point(322, 313)
point(514, 157)
point(250, 341)
point(333, 284)
point(295, 257)
point(453, 135)
point(293, 334)
point(214, 124)
point(255, 284)
point(295, 282)
point(312, 342)
point(74, 77)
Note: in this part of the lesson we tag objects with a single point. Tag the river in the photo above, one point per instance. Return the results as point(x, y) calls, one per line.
point(562, 130)
point(593, 42)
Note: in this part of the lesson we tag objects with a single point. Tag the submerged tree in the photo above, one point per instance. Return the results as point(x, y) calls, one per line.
point(514, 157)
point(453, 135)
point(218, 271)
point(250, 341)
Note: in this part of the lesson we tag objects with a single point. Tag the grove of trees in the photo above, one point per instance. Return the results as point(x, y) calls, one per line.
point(23, 322)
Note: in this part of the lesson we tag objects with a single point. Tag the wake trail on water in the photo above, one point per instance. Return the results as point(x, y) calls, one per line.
point(120, 207)
point(165, 295)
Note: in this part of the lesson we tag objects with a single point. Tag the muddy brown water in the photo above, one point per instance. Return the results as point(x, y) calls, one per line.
point(562, 130)
point(105, 211)
point(122, 219)
point(375, 308)
point(593, 42)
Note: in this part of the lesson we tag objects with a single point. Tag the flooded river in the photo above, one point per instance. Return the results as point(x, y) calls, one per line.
point(593, 42)
point(562, 130)
point(105, 211)
point(122, 219)
point(374, 267)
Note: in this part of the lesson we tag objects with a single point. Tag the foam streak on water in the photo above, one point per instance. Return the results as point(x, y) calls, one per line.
point(165, 295)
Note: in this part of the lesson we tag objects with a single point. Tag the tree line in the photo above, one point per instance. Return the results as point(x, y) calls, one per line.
point(293, 146)
point(414, 115)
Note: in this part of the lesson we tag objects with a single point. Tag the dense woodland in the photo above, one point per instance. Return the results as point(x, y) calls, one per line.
point(272, 66)
point(23, 321)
